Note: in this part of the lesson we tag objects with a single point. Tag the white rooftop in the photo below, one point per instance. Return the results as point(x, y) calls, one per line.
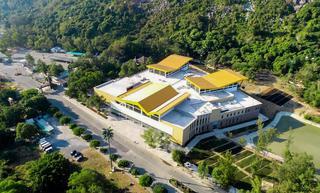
point(196, 104)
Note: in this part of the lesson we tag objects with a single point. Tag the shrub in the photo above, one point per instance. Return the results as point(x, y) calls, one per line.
point(159, 188)
point(180, 186)
point(178, 156)
point(103, 150)
point(94, 143)
point(134, 171)
point(145, 180)
point(123, 163)
point(58, 114)
point(114, 157)
point(87, 137)
point(78, 131)
point(73, 125)
point(64, 120)
point(53, 110)
point(313, 118)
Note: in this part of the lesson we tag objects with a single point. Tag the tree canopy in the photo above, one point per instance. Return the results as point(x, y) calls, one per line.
point(88, 181)
point(50, 173)
point(245, 35)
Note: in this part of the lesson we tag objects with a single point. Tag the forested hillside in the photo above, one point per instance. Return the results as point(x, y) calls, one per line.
point(242, 34)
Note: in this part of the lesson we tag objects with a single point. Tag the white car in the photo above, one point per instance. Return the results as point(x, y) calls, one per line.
point(49, 149)
point(45, 146)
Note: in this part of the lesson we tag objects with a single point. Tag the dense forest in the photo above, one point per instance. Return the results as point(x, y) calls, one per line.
point(247, 35)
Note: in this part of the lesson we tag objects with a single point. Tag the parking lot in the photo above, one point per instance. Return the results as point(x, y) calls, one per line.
point(276, 96)
point(65, 141)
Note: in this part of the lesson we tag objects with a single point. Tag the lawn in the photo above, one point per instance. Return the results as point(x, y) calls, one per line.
point(305, 138)
point(121, 180)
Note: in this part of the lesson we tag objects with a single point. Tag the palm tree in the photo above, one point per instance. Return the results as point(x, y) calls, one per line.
point(108, 135)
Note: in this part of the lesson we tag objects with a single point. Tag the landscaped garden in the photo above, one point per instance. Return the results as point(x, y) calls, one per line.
point(304, 138)
point(211, 149)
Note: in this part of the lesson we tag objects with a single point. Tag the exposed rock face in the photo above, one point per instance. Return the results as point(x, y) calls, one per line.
point(297, 4)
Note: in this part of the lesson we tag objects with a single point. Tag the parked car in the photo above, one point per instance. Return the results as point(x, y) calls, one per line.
point(48, 150)
point(73, 153)
point(44, 147)
point(78, 156)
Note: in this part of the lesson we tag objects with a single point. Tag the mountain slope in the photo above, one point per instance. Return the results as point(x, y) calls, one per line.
point(245, 35)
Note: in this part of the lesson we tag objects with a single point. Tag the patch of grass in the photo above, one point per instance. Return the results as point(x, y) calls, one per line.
point(246, 161)
point(305, 138)
point(242, 155)
point(121, 180)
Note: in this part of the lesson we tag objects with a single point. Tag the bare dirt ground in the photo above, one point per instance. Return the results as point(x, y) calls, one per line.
point(295, 105)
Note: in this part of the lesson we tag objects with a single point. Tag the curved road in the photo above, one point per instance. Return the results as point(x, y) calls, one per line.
point(121, 144)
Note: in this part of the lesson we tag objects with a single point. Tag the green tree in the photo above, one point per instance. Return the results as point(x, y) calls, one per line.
point(50, 172)
point(94, 101)
point(11, 115)
point(94, 143)
point(178, 156)
point(108, 135)
point(203, 169)
point(78, 131)
point(123, 163)
point(265, 137)
point(145, 180)
point(42, 67)
point(88, 181)
point(35, 105)
point(159, 188)
point(12, 186)
point(26, 131)
point(7, 93)
point(5, 170)
point(224, 171)
point(155, 138)
point(149, 137)
point(55, 69)
point(64, 120)
point(30, 59)
point(7, 137)
point(296, 174)
point(256, 185)
point(80, 81)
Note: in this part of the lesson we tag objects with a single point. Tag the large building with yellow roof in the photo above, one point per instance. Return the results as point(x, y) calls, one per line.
point(179, 100)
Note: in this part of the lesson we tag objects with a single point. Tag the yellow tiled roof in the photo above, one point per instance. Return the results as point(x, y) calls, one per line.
point(216, 80)
point(162, 110)
point(150, 96)
point(171, 63)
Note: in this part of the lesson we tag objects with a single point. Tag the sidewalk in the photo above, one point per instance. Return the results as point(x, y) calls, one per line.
point(132, 132)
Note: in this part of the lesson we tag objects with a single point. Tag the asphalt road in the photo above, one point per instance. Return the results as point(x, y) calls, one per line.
point(142, 158)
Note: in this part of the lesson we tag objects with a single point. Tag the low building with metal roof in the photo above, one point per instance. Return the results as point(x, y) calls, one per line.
point(182, 102)
point(170, 64)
